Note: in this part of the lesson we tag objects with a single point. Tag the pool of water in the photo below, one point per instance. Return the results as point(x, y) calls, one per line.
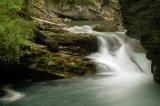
point(98, 90)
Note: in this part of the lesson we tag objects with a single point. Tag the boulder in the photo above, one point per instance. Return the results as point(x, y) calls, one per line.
point(61, 54)
point(85, 42)
point(46, 40)
point(59, 64)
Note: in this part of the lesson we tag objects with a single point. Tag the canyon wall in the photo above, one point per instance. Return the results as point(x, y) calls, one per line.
point(142, 20)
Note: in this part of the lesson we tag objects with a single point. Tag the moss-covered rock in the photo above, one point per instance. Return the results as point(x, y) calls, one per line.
point(60, 53)
point(60, 64)
point(82, 43)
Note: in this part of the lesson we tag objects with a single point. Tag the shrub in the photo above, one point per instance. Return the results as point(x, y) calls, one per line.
point(14, 31)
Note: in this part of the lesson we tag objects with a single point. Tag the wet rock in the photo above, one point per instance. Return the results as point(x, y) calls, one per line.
point(86, 42)
point(46, 40)
point(108, 27)
point(155, 68)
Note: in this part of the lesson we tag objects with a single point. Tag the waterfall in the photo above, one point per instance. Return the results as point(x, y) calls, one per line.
point(122, 78)
point(115, 55)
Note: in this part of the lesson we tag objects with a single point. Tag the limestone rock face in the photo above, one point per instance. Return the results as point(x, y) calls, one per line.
point(142, 20)
point(53, 10)
point(113, 18)
point(58, 11)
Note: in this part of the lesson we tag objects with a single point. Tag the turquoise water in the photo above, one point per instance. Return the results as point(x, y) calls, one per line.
point(98, 90)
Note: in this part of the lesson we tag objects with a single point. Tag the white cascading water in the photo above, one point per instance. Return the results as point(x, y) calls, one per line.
point(115, 56)
point(11, 95)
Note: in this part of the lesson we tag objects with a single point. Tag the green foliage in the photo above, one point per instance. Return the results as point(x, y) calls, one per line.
point(14, 30)
point(10, 7)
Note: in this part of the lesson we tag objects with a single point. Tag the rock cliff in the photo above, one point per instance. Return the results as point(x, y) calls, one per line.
point(142, 20)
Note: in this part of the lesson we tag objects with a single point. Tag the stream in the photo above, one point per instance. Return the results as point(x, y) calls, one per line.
point(123, 78)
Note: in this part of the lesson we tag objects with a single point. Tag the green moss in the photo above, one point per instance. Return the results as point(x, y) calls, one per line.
point(14, 31)
point(57, 63)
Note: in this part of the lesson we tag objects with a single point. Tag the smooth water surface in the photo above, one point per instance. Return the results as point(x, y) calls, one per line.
point(98, 90)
